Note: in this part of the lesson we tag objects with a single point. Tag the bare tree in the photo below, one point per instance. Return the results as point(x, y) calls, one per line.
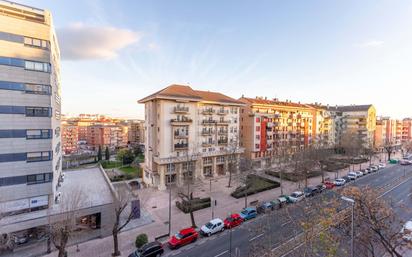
point(375, 221)
point(243, 178)
point(407, 146)
point(122, 199)
point(6, 241)
point(389, 147)
point(63, 224)
point(233, 158)
point(352, 145)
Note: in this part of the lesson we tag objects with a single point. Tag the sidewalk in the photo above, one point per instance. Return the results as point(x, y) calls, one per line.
point(158, 206)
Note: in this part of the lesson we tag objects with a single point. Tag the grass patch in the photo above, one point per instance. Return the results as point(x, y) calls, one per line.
point(110, 164)
point(134, 171)
point(293, 176)
point(256, 184)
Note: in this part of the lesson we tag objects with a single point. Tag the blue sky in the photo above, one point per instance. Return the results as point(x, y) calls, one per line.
point(335, 52)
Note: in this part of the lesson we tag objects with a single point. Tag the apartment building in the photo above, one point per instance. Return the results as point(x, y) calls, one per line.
point(136, 132)
point(70, 137)
point(189, 133)
point(30, 95)
point(270, 126)
point(358, 119)
point(407, 130)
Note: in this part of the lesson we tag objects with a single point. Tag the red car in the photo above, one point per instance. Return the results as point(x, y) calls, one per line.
point(184, 237)
point(233, 221)
point(329, 185)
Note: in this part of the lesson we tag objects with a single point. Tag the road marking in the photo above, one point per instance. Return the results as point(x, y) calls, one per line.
point(395, 187)
point(409, 194)
point(255, 237)
point(220, 254)
point(400, 201)
point(292, 250)
point(284, 224)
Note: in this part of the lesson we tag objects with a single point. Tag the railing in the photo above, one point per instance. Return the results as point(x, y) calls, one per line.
point(208, 143)
point(222, 142)
point(181, 109)
point(224, 121)
point(182, 119)
point(207, 132)
point(208, 111)
point(222, 132)
point(222, 112)
point(208, 121)
point(181, 146)
point(181, 134)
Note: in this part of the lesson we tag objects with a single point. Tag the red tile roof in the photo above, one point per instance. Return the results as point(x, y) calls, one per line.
point(186, 92)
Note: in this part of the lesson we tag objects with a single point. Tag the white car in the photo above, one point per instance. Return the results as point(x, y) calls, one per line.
point(359, 173)
point(366, 171)
point(339, 182)
point(296, 196)
point(406, 231)
point(212, 227)
point(352, 175)
point(382, 165)
point(373, 168)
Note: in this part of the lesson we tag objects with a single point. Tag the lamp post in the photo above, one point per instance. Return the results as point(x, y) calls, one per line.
point(350, 200)
point(169, 178)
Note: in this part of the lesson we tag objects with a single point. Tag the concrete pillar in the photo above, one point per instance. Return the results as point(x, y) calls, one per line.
point(162, 177)
point(179, 173)
point(214, 170)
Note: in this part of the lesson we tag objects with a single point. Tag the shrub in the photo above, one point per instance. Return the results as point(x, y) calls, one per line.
point(196, 204)
point(141, 240)
point(256, 184)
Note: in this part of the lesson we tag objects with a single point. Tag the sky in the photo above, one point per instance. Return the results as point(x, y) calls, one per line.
point(115, 52)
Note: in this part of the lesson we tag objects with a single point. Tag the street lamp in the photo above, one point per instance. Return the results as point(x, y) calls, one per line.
point(350, 200)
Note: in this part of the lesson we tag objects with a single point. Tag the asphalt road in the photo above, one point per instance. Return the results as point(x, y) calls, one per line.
point(277, 227)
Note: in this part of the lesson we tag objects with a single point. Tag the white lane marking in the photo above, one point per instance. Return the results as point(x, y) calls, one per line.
point(255, 237)
point(395, 187)
point(284, 224)
point(292, 250)
point(400, 201)
point(220, 254)
point(409, 194)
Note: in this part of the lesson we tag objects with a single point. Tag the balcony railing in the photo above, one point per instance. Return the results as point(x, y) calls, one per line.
point(181, 134)
point(222, 132)
point(183, 119)
point(207, 132)
point(181, 109)
point(222, 112)
point(208, 111)
point(222, 142)
point(223, 121)
point(181, 146)
point(208, 143)
point(208, 121)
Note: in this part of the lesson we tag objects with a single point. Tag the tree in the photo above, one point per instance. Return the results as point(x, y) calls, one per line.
point(233, 158)
point(63, 225)
point(352, 145)
point(243, 177)
point(389, 147)
point(125, 156)
point(6, 242)
point(137, 151)
point(99, 154)
point(107, 154)
point(122, 200)
point(375, 221)
point(407, 146)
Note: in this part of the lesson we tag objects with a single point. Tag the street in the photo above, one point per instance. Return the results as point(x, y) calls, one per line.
point(282, 229)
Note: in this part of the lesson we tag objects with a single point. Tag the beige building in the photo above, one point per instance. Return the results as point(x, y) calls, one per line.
point(189, 131)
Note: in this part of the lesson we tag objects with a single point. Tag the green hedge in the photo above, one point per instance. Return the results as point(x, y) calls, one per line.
point(141, 240)
point(196, 204)
point(256, 184)
point(335, 165)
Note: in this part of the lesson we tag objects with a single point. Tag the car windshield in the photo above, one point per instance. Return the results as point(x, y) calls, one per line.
point(230, 219)
point(179, 236)
point(209, 225)
point(294, 195)
point(244, 212)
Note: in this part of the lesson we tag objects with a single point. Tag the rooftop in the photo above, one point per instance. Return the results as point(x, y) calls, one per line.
point(352, 108)
point(184, 92)
point(265, 101)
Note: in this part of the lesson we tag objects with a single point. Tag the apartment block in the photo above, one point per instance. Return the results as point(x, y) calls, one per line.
point(189, 133)
point(30, 95)
point(406, 130)
point(136, 132)
point(269, 127)
point(70, 137)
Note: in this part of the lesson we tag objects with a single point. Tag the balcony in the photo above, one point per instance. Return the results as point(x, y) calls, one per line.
point(180, 134)
point(180, 146)
point(222, 112)
point(181, 109)
point(207, 132)
point(208, 143)
point(208, 122)
point(181, 120)
point(222, 142)
point(222, 132)
point(208, 111)
point(223, 122)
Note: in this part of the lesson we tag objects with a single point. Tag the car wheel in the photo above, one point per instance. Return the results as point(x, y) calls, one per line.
point(223, 229)
point(209, 234)
point(194, 240)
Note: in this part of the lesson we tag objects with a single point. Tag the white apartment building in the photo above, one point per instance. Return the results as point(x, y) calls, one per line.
point(189, 131)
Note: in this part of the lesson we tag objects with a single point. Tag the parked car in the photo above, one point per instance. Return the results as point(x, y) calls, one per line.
point(20, 239)
point(406, 231)
point(296, 196)
point(284, 197)
point(310, 191)
point(152, 249)
point(405, 162)
point(233, 220)
point(339, 182)
point(265, 207)
point(248, 213)
point(373, 168)
point(212, 227)
point(321, 187)
point(352, 175)
point(184, 237)
point(359, 173)
point(329, 184)
point(366, 171)
point(382, 165)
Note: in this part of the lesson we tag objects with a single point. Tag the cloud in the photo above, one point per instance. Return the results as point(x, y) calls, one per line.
point(371, 43)
point(82, 42)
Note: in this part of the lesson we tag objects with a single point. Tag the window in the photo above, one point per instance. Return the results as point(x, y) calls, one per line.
point(257, 119)
point(39, 178)
point(38, 89)
point(12, 133)
point(257, 146)
point(35, 42)
point(38, 133)
point(38, 156)
point(257, 136)
point(11, 61)
point(257, 128)
point(37, 66)
point(57, 114)
point(38, 111)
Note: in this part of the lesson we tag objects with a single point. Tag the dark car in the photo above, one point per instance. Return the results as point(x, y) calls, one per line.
point(152, 249)
point(321, 187)
point(265, 207)
point(346, 178)
point(310, 191)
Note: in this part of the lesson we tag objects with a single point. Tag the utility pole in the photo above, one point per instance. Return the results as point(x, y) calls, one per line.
point(212, 202)
point(170, 197)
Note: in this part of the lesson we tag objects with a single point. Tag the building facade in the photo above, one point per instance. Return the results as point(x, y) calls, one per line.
point(270, 127)
point(189, 133)
point(136, 132)
point(70, 137)
point(30, 131)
